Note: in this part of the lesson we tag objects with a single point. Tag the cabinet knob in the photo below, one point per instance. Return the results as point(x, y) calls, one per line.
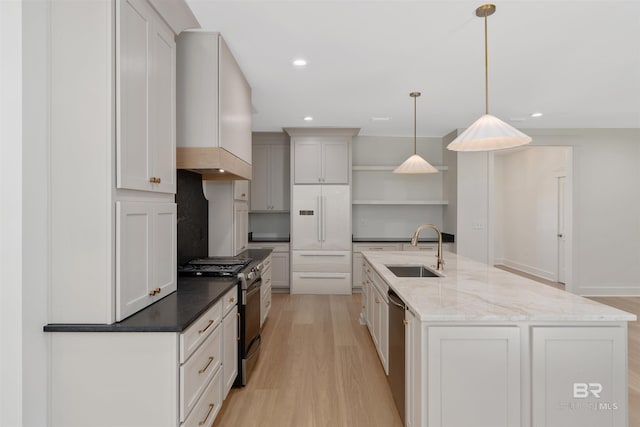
point(243, 195)
point(155, 180)
point(155, 291)
point(232, 299)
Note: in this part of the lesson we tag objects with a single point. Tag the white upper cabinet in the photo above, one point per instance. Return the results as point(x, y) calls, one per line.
point(213, 108)
point(270, 183)
point(112, 139)
point(321, 160)
point(146, 244)
point(145, 82)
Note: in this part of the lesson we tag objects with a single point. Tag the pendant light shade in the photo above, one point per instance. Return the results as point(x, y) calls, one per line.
point(415, 163)
point(488, 132)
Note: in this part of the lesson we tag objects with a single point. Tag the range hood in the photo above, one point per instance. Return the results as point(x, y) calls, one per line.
point(213, 163)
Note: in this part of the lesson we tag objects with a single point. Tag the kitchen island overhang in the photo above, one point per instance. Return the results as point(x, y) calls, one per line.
point(487, 347)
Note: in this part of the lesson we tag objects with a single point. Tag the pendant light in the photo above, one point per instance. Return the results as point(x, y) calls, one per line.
point(488, 132)
point(415, 163)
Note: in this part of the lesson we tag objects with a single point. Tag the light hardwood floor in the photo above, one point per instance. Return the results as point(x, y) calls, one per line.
point(317, 367)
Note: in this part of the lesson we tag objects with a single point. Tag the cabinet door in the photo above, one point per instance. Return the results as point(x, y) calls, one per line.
point(132, 85)
point(336, 217)
point(357, 270)
point(279, 177)
point(145, 254)
point(307, 162)
point(478, 367)
point(306, 217)
point(260, 172)
point(164, 245)
point(241, 190)
point(280, 270)
point(579, 376)
point(133, 257)
point(162, 106)
point(335, 162)
point(229, 349)
point(241, 226)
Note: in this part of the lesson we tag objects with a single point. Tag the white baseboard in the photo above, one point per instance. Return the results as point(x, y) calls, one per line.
point(543, 274)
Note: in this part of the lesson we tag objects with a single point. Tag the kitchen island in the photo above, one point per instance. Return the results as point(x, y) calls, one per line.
point(485, 347)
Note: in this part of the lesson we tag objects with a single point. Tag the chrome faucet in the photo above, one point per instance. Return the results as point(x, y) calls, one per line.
point(414, 242)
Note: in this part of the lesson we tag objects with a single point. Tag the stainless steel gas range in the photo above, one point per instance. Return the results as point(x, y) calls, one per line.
point(249, 282)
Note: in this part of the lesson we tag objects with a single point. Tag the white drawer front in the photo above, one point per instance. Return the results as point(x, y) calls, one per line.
point(198, 371)
point(275, 247)
point(364, 247)
point(321, 283)
point(199, 330)
point(266, 264)
point(230, 299)
point(322, 261)
point(209, 404)
point(427, 247)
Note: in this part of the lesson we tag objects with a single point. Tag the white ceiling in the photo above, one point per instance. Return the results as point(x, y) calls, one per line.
point(578, 62)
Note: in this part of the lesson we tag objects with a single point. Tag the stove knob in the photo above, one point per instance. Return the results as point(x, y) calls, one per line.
point(251, 275)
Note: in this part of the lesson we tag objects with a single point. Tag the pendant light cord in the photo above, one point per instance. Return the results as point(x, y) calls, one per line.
point(415, 100)
point(486, 67)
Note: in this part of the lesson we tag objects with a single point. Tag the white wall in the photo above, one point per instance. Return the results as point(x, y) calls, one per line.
point(11, 352)
point(473, 209)
point(526, 208)
point(606, 207)
point(395, 220)
point(35, 195)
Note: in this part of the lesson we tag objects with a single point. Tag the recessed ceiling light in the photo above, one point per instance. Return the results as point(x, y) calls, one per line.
point(536, 114)
point(308, 118)
point(299, 63)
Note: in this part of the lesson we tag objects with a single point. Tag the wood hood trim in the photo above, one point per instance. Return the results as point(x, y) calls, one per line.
point(208, 160)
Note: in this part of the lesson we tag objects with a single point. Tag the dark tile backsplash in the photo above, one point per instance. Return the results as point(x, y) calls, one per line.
point(193, 212)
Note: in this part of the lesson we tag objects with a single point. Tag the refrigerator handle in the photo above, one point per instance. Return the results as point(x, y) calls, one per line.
point(319, 219)
point(324, 218)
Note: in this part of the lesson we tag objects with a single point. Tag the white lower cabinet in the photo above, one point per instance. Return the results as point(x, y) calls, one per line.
point(474, 376)
point(279, 264)
point(146, 264)
point(358, 248)
point(145, 378)
point(265, 289)
point(377, 312)
point(579, 377)
point(230, 340)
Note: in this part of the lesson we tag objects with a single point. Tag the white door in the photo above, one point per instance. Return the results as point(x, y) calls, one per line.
point(561, 229)
point(336, 217)
point(306, 217)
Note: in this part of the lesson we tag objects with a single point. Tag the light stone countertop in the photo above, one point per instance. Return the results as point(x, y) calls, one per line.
point(474, 291)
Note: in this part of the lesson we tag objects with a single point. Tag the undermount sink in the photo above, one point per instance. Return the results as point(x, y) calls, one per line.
point(412, 271)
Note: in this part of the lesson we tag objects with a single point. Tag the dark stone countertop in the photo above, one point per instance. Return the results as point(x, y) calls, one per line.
point(176, 311)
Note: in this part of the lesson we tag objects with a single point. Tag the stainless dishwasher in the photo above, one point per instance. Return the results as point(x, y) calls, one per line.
point(397, 324)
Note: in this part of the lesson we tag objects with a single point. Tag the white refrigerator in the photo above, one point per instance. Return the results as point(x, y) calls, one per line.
point(321, 239)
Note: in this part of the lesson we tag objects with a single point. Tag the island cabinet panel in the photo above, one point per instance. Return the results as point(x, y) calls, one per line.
point(474, 376)
point(579, 376)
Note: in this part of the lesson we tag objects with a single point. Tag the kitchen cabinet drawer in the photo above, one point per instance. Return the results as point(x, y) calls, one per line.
point(427, 247)
point(275, 247)
point(199, 330)
point(322, 283)
point(322, 261)
point(229, 300)
point(364, 247)
point(209, 404)
point(196, 373)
